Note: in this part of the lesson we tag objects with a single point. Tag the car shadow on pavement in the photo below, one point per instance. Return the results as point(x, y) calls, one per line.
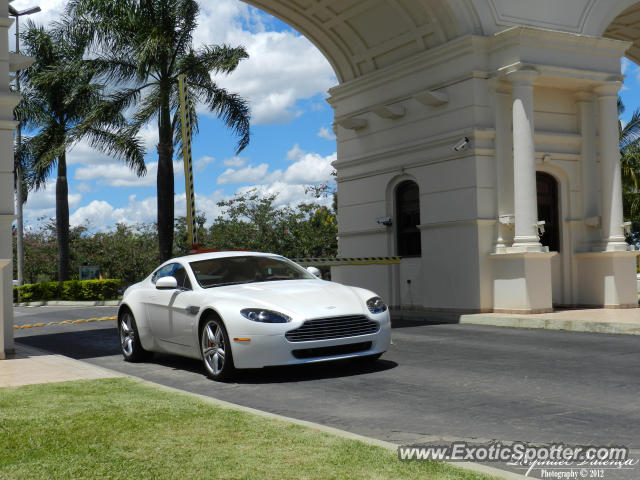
point(86, 344)
point(409, 322)
point(77, 344)
point(281, 374)
point(312, 371)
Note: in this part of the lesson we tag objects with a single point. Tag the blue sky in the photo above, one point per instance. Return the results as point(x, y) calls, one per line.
point(292, 145)
point(285, 80)
point(631, 89)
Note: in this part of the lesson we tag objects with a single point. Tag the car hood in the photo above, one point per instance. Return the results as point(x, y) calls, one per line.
point(302, 298)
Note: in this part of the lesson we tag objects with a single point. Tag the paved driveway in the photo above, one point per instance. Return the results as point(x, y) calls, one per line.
point(437, 382)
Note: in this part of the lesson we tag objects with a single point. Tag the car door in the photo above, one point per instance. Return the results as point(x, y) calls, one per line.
point(158, 304)
point(183, 311)
point(169, 311)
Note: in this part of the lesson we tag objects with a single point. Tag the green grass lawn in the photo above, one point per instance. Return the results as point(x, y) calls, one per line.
point(120, 428)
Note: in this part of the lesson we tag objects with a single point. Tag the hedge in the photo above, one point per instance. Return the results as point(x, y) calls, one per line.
point(71, 290)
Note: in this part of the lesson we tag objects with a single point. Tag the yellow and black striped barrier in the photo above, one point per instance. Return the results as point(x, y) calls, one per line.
point(336, 262)
point(65, 322)
point(186, 120)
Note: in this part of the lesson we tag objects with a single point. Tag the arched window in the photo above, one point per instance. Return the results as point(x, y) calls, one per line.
point(408, 219)
point(547, 188)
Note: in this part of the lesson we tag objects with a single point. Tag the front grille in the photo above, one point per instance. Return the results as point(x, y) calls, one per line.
point(330, 351)
point(334, 327)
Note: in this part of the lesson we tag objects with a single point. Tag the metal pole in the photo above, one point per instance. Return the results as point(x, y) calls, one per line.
point(18, 167)
point(19, 200)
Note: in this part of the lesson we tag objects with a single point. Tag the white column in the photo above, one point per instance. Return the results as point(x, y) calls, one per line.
point(504, 163)
point(7, 102)
point(524, 163)
point(589, 167)
point(610, 176)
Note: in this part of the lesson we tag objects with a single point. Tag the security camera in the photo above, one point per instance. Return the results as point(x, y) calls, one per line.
point(462, 144)
point(386, 221)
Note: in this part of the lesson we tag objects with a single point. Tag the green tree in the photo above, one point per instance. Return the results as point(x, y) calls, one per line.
point(252, 221)
point(59, 92)
point(630, 169)
point(142, 46)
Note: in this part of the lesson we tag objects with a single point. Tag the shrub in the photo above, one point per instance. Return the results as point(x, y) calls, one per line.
point(71, 290)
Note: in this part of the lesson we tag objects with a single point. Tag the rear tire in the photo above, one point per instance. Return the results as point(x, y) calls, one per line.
point(130, 345)
point(215, 349)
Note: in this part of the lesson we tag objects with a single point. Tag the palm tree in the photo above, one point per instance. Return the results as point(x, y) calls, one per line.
point(58, 94)
point(630, 162)
point(142, 46)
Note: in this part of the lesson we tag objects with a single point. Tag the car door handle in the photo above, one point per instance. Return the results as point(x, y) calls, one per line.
point(192, 309)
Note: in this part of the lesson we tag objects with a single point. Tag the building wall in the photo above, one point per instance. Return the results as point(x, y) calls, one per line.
point(458, 196)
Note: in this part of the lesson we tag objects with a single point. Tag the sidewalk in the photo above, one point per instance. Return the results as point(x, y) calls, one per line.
point(29, 366)
point(595, 320)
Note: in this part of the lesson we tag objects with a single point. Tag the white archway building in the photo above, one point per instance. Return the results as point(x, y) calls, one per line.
point(532, 85)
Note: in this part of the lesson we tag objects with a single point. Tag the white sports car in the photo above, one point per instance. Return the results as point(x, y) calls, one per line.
point(249, 310)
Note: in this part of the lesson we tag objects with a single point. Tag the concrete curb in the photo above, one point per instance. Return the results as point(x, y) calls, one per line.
point(69, 303)
point(572, 325)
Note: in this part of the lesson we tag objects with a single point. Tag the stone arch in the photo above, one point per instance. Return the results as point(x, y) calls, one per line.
point(361, 37)
point(623, 23)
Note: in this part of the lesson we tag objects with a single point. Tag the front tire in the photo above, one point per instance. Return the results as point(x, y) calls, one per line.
point(130, 345)
point(215, 349)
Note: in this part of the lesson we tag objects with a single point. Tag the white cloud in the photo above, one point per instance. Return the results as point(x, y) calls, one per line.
point(236, 162)
point(308, 168)
point(200, 165)
point(120, 175)
point(287, 194)
point(282, 68)
point(100, 215)
point(326, 133)
point(42, 203)
point(245, 175)
point(295, 153)
point(94, 215)
point(311, 168)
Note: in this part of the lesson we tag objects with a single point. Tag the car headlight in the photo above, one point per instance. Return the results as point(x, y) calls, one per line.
point(376, 305)
point(264, 316)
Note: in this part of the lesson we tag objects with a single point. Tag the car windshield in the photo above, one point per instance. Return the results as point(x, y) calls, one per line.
point(217, 272)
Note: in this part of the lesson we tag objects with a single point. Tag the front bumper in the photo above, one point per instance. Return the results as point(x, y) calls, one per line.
point(272, 350)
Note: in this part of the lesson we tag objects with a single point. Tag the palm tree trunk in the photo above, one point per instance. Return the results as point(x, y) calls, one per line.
point(62, 220)
point(165, 183)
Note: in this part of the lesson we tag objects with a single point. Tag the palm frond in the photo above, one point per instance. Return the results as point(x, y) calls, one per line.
point(229, 107)
point(119, 144)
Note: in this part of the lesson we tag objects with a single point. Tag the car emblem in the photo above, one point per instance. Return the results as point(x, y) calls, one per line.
point(331, 307)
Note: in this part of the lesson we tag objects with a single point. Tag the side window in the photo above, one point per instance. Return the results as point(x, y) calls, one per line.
point(174, 270)
point(180, 274)
point(165, 271)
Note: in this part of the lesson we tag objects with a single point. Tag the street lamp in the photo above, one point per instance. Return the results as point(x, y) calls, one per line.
point(18, 166)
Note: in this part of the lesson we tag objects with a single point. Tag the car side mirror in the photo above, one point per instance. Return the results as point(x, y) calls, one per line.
point(314, 271)
point(167, 283)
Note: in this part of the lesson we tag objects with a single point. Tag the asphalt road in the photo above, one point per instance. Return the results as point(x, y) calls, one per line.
point(437, 383)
